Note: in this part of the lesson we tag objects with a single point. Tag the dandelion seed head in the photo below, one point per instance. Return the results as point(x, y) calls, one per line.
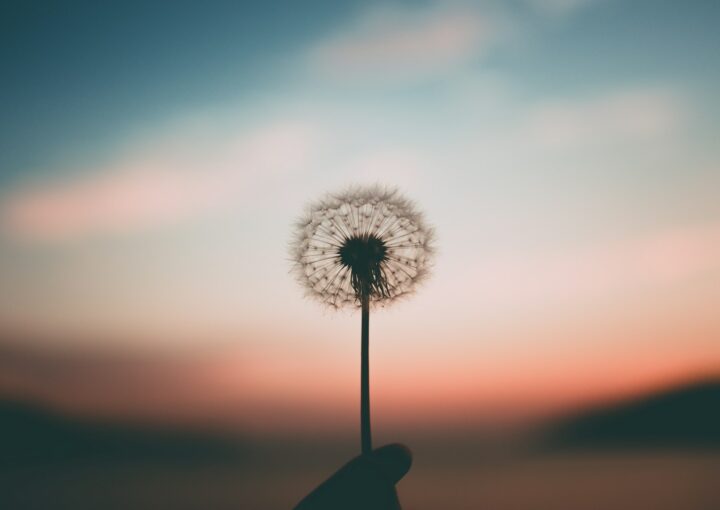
point(362, 241)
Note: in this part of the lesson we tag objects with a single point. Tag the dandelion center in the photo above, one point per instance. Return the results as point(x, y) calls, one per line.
point(364, 257)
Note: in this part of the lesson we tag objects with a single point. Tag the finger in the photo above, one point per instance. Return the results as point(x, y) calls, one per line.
point(366, 482)
point(393, 460)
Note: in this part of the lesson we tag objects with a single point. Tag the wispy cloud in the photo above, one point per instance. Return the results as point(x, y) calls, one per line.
point(185, 178)
point(195, 174)
point(399, 43)
point(584, 132)
point(408, 42)
point(649, 261)
point(559, 7)
point(625, 116)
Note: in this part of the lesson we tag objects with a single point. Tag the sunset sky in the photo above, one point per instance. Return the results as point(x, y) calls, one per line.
point(154, 158)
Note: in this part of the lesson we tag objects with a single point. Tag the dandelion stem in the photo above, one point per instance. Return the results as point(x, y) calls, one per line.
point(365, 437)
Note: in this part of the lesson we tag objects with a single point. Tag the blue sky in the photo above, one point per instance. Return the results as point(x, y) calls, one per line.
point(82, 75)
point(153, 158)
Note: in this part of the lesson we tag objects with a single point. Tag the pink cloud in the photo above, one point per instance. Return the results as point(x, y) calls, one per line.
point(156, 189)
point(390, 43)
point(649, 261)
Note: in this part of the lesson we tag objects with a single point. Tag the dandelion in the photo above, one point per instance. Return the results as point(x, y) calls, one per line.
point(360, 248)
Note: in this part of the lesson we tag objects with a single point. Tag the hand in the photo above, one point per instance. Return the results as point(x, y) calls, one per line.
point(365, 483)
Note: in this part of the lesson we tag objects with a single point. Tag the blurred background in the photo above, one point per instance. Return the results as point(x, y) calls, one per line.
point(155, 351)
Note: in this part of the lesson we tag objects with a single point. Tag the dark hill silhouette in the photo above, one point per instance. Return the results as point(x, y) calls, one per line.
point(687, 416)
point(31, 434)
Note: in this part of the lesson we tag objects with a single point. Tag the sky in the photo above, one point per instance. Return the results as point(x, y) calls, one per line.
point(153, 160)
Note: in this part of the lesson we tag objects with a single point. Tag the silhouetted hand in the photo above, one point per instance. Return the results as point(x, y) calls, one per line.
point(365, 483)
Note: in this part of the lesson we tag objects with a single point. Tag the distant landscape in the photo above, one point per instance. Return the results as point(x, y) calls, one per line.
point(629, 454)
point(683, 417)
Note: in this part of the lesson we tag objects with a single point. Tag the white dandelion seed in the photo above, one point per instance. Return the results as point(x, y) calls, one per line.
point(361, 247)
point(364, 241)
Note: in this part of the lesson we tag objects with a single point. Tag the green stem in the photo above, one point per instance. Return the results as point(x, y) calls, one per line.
point(366, 439)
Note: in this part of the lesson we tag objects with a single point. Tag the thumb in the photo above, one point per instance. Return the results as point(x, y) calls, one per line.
point(393, 461)
point(366, 482)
